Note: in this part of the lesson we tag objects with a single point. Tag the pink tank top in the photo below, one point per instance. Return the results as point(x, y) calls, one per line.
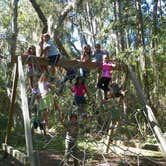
point(79, 90)
point(107, 70)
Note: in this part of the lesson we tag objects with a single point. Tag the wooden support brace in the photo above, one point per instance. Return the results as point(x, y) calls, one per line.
point(20, 156)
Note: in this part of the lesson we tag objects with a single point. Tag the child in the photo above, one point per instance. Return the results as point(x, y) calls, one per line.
point(31, 67)
point(115, 117)
point(47, 101)
point(79, 90)
point(116, 91)
point(98, 56)
point(72, 127)
point(106, 75)
point(70, 75)
point(86, 56)
point(51, 52)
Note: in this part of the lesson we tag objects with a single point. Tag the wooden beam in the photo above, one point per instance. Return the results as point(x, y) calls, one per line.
point(12, 101)
point(149, 113)
point(25, 111)
point(66, 63)
point(20, 156)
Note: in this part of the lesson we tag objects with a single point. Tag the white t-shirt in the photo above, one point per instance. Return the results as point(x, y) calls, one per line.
point(43, 88)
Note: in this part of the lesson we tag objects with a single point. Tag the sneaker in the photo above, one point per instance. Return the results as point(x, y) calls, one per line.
point(113, 126)
point(52, 79)
point(33, 91)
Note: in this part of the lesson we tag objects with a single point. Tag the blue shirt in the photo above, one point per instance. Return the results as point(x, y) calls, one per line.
point(52, 50)
point(98, 55)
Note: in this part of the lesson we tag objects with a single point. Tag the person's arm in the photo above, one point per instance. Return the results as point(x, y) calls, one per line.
point(82, 57)
point(41, 46)
point(113, 64)
point(46, 46)
point(51, 86)
point(72, 88)
point(86, 91)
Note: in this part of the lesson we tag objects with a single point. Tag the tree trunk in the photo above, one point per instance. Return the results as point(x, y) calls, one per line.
point(59, 24)
point(90, 22)
point(13, 40)
point(41, 15)
point(141, 46)
point(121, 28)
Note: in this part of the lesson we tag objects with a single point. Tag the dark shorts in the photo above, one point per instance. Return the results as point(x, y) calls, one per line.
point(84, 72)
point(103, 83)
point(117, 94)
point(115, 113)
point(53, 59)
point(79, 100)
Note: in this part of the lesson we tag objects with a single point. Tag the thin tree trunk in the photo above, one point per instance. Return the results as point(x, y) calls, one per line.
point(121, 34)
point(41, 15)
point(117, 38)
point(141, 46)
point(90, 22)
point(13, 40)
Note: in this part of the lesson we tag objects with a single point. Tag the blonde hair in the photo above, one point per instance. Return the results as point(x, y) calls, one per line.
point(105, 56)
point(46, 35)
point(43, 77)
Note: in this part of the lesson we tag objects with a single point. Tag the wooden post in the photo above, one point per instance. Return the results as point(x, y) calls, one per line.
point(12, 100)
point(25, 110)
point(149, 113)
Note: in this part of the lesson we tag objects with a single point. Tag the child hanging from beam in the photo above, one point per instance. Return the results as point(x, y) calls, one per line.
point(116, 91)
point(47, 101)
point(70, 75)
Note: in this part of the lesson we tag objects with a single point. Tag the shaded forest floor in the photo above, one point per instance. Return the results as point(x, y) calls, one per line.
point(54, 158)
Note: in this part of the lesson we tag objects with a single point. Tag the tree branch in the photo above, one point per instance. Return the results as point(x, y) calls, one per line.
point(41, 15)
point(59, 24)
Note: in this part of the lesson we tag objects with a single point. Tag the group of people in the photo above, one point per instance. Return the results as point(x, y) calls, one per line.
point(80, 90)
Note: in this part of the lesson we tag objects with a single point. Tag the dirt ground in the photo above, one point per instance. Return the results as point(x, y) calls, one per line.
point(52, 158)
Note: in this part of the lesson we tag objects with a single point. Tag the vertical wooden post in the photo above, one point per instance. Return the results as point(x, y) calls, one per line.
point(12, 100)
point(25, 110)
point(149, 113)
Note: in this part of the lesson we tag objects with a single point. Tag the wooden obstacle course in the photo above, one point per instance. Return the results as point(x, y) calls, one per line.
point(20, 156)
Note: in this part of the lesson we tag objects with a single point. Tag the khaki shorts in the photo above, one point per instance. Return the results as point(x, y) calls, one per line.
point(46, 102)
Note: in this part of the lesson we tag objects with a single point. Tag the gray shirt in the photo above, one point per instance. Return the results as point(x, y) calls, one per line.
point(52, 50)
point(98, 55)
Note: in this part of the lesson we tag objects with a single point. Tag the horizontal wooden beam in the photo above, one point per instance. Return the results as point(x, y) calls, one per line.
point(67, 64)
point(20, 156)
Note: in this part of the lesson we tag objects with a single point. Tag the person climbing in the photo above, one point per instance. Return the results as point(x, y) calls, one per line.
point(31, 67)
point(44, 68)
point(98, 57)
point(70, 75)
point(47, 101)
point(79, 90)
point(86, 56)
point(72, 126)
point(117, 91)
point(51, 52)
point(106, 76)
